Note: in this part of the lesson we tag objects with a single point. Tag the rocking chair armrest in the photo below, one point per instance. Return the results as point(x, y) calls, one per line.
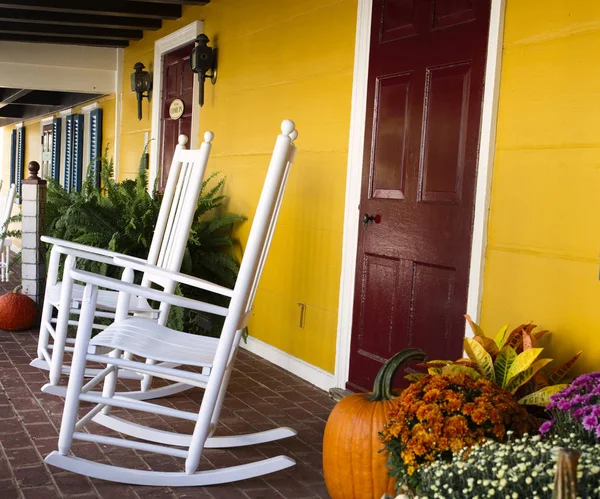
point(149, 293)
point(196, 282)
point(88, 249)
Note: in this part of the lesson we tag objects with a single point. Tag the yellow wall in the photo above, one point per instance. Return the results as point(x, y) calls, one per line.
point(276, 60)
point(544, 238)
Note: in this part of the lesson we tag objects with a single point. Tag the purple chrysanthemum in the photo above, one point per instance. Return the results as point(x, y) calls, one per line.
point(579, 403)
point(545, 428)
point(589, 422)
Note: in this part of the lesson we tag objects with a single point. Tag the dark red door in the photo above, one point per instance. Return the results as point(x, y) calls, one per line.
point(178, 83)
point(426, 74)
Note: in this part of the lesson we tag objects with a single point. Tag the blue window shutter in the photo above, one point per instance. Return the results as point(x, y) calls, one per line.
point(55, 164)
point(77, 165)
point(96, 145)
point(13, 156)
point(67, 180)
point(20, 160)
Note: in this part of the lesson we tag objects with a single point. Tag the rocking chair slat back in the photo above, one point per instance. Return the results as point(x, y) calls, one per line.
point(7, 208)
point(178, 208)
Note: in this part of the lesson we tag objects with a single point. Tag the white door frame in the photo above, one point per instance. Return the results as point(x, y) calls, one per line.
point(487, 143)
point(166, 44)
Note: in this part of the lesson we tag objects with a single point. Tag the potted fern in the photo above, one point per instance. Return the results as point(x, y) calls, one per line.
point(121, 216)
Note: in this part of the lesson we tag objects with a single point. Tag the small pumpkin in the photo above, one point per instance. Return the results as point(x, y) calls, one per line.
point(17, 311)
point(353, 465)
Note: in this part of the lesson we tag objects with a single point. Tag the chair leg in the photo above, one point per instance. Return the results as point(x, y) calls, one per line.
point(121, 313)
point(84, 334)
point(48, 308)
point(44, 336)
point(62, 322)
point(207, 408)
point(3, 266)
point(214, 421)
point(110, 382)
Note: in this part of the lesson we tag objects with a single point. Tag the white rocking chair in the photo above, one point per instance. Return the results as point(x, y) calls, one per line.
point(166, 251)
point(212, 357)
point(6, 242)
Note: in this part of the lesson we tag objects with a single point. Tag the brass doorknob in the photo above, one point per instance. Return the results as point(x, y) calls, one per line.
point(369, 219)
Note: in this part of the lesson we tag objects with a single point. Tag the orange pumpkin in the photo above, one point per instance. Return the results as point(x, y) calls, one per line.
point(17, 311)
point(352, 464)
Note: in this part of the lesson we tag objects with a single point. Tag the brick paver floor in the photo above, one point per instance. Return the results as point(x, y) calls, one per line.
point(260, 396)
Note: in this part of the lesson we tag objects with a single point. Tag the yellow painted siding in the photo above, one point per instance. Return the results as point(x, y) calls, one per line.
point(276, 60)
point(543, 254)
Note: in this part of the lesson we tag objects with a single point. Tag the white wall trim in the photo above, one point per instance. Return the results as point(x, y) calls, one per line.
point(353, 179)
point(20, 124)
point(315, 375)
point(15, 249)
point(487, 149)
point(47, 121)
point(353, 186)
point(89, 108)
point(166, 44)
point(66, 112)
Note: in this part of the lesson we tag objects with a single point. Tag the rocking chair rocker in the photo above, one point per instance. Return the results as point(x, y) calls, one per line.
point(166, 251)
point(213, 359)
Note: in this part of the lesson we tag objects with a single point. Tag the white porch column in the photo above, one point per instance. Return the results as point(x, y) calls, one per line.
point(33, 228)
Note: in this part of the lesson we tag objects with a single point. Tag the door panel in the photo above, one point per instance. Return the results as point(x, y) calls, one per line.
point(445, 132)
point(426, 73)
point(398, 20)
point(390, 139)
point(178, 83)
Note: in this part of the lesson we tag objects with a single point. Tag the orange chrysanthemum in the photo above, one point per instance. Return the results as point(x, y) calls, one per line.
point(442, 414)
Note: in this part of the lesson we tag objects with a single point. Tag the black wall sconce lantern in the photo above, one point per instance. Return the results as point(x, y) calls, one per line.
point(202, 60)
point(141, 84)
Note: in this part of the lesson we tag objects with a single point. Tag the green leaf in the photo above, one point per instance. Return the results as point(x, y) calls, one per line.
point(477, 331)
point(456, 368)
point(523, 361)
point(504, 360)
point(414, 377)
point(501, 336)
point(484, 360)
point(524, 376)
point(542, 397)
point(489, 345)
point(560, 372)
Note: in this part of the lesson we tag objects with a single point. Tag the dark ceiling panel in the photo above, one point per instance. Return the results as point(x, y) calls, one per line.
point(9, 95)
point(179, 2)
point(96, 42)
point(93, 21)
point(106, 7)
point(17, 105)
point(70, 31)
point(106, 23)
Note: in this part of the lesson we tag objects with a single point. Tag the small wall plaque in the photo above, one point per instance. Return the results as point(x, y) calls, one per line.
point(176, 109)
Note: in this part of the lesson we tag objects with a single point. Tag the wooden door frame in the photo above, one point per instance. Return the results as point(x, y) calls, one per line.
point(487, 142)
point(163, 45)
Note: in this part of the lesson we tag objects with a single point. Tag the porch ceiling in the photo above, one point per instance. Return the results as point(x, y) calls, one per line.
point(17, 104)
point(106, 23)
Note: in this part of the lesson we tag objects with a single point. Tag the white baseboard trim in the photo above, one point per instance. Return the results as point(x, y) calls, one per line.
point(312, 374)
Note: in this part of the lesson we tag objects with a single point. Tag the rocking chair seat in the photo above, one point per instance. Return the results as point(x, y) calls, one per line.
point(107, 300)
point(146, 338)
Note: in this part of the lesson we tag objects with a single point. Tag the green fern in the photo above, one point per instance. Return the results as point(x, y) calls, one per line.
point(121, 216)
